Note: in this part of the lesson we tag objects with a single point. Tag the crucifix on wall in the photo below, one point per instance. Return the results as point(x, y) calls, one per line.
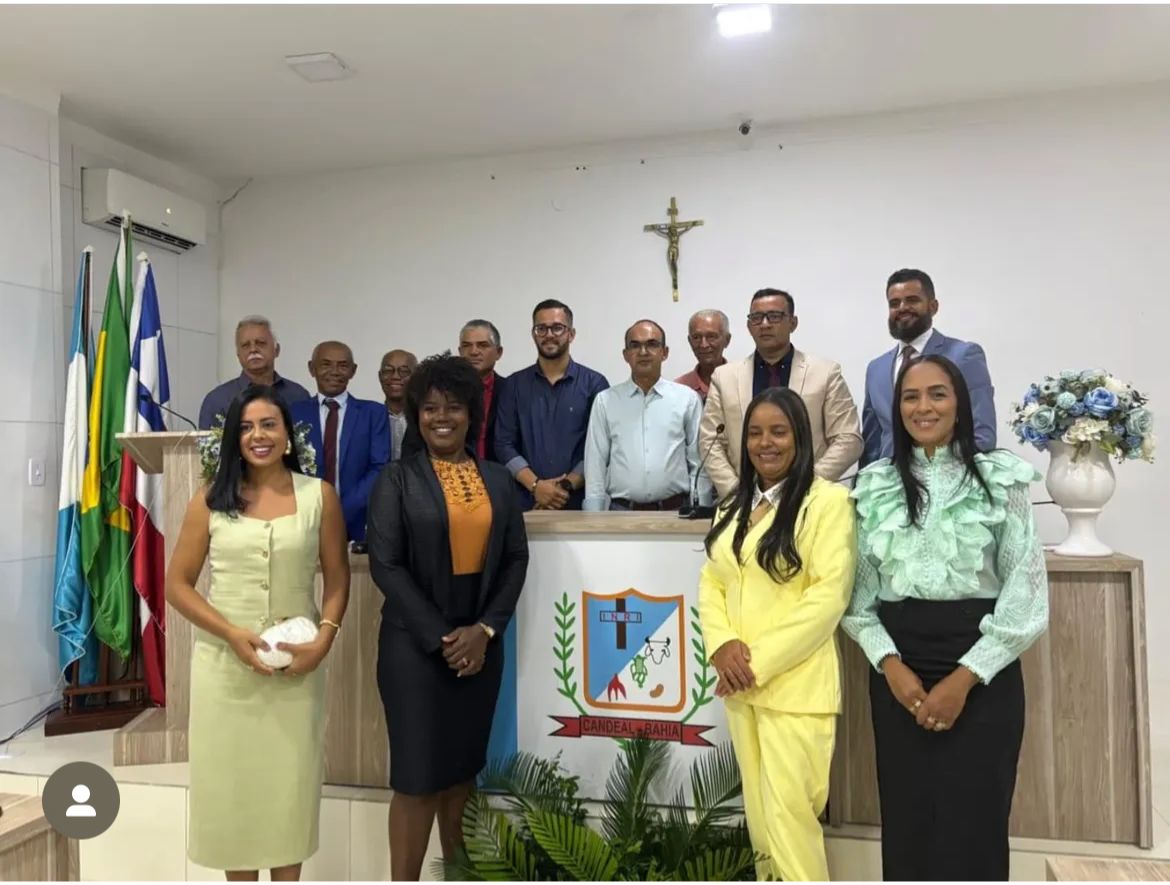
point(672, 231)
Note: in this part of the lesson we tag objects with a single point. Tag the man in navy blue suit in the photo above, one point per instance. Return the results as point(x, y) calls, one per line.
point(912, 305)
point(351, 435)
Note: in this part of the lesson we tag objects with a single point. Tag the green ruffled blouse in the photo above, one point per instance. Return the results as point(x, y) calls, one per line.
point(965, 546)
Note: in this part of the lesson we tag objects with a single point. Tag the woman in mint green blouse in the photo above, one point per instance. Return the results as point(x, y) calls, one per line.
point(950, 589)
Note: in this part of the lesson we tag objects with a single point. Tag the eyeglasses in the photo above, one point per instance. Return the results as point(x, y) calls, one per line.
point(543, 330)
point(651, 346)
point(772, 316)
point(401, 372)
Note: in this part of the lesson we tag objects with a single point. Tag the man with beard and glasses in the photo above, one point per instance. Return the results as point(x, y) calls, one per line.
point(912, 306)
point(543, 415)
point(257, 350)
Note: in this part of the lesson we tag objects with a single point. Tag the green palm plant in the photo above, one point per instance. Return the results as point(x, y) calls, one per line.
point(541, 833)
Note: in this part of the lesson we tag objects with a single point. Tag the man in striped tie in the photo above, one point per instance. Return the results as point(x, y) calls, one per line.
point(911, 306)
point(351, 435)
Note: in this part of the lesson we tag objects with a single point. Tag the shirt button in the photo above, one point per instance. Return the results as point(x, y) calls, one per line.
point(267, 525)
point(264, 553)
point(263, 585)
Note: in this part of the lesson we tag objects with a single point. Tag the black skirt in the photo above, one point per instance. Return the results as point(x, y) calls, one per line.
point(945, 796)
point(439, 724)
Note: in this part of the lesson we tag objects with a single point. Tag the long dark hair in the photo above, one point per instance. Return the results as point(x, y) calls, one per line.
point(962, 443)
point(777, 553)
point(224, 495)
point(455, 378)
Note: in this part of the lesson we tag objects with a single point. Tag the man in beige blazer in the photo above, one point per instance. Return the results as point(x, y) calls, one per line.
point(836, 430)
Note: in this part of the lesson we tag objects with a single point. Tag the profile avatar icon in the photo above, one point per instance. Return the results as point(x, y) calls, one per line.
point(81, 806)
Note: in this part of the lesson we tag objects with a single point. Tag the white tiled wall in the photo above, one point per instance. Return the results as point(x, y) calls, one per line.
point(30, 363)
point(41, 236)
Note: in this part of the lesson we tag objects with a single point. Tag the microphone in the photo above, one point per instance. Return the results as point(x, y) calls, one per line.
point(695, 511)
point(145, 397)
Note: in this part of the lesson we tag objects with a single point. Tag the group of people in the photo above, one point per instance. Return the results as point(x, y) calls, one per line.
point(931, 564)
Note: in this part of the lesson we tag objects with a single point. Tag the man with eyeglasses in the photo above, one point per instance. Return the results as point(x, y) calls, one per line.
point(832, 413)
point(911, 306)
point(709, 333)
point(396, 368)
point(642, 450)
point(543, 415)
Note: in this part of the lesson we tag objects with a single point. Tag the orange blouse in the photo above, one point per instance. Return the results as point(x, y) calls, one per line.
point(469, 513)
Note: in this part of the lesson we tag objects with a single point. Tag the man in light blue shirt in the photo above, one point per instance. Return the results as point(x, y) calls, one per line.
point(642, 448)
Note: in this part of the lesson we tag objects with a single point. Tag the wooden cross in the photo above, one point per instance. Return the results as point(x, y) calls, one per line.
point(672, 232)
point(620, 617)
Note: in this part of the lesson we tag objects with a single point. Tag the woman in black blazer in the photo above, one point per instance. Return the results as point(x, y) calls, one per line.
point(448, 550)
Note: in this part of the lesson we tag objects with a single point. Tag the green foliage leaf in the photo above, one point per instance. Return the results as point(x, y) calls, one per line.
point(582, 853)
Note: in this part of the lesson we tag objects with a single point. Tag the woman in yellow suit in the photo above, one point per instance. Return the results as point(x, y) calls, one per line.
point(778, 576)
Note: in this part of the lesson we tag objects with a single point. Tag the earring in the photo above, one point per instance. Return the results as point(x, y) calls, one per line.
point(288, 447)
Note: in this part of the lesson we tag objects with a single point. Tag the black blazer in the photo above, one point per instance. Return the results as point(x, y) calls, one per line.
point(410, 550)
point(412, 442)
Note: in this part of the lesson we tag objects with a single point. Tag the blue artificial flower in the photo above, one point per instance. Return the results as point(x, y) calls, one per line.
point(1030, 434)
point(1100, 402)
point(1065, 400)
point(1139, 422)
point(1133, 443)
point(1043, 420)
point(1077, 409)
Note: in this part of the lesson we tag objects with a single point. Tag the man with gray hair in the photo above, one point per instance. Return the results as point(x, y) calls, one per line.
point(709, 333)
point(479, 344)
point(257, 350)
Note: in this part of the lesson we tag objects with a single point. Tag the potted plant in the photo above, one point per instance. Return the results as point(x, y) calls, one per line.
point(541, 833)
point(1080, 419)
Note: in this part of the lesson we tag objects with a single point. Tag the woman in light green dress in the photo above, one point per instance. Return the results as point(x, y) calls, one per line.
point(256, 735)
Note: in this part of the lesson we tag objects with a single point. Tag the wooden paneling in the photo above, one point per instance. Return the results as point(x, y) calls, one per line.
point(31, 850)
point(1084, 764)
point(1106, 869)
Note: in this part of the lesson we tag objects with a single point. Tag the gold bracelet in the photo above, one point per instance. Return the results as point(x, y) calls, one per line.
point(326, 622)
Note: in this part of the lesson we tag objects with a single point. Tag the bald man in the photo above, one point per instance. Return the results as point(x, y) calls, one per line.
point(351, 435)
point(396, 368)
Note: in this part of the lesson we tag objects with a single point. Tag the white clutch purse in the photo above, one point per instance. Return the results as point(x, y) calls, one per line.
point(294, 631)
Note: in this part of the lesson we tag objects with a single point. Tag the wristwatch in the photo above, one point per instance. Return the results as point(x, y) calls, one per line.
point(491, 634)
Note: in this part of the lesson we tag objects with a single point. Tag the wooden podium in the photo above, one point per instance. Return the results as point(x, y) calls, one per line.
point(356, 744)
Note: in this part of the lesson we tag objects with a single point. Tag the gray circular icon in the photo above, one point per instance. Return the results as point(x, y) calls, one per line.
point(80, 800)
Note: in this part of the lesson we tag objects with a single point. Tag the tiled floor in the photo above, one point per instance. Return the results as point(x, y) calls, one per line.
point(149, 839)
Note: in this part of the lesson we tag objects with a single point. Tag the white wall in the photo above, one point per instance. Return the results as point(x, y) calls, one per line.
point(188, 285)
point(31, 354)
point(41, 235)
point(1042, 222)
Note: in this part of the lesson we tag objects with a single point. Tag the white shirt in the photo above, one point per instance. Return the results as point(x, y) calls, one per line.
point(918, 344)
point(772, 496)
point(643, 447)
point(342, 400)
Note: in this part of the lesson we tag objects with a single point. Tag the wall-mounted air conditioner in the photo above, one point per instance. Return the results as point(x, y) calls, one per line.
point(175, 223)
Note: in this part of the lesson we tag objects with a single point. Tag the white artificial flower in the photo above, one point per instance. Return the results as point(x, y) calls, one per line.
point(1085, 430)
point(1029, 410)
point(1115, 386)
point(1148, 445)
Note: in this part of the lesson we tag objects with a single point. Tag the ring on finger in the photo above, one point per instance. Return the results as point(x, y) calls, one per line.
point(931, 721)
point(917, 703)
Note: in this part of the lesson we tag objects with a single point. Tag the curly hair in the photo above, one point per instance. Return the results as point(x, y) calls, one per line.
point(454, 377)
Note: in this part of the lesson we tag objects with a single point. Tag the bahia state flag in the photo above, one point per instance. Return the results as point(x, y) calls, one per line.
point(105, 523)
point(72, 605)
point(142, 493)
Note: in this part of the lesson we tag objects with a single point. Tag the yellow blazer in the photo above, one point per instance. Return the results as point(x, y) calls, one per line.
point(789, 627)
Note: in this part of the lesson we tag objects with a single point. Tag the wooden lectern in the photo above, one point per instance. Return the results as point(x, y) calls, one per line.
point(356, 744)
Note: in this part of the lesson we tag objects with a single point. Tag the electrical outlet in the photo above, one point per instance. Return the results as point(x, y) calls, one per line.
point(36, 471)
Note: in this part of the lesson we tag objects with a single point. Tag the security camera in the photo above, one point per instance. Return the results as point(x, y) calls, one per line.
point(745, 128)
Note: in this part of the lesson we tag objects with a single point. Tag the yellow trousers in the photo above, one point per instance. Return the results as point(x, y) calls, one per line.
point(784, 759)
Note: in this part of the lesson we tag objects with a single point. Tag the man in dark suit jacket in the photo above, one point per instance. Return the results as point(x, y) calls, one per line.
point(351, 435)
point(479, 344)
point(912, 305)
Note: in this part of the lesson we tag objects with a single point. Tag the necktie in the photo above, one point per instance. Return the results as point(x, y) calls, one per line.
point(908, 351)
point(331, 442)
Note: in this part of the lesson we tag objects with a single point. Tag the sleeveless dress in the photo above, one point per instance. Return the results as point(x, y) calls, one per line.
point(256, 743)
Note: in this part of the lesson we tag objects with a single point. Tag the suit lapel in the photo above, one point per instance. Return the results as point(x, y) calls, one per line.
point(352, 416)
point(799, 370)
point(936, 344)
point(747, 371)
